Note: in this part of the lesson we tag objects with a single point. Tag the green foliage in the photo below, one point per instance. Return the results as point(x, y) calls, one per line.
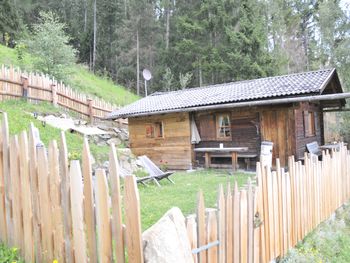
point(49, 45)
point(9, 255)
point(168, 79)
point(10, 22)
point(184, 79)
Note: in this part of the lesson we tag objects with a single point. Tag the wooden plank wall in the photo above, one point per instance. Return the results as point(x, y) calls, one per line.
point(244, 130)
point(174, 149)
point(249, 127)
point(277, 126)
point(48, 208)
point(301, 138)
point(14, 83)
point(261, 223)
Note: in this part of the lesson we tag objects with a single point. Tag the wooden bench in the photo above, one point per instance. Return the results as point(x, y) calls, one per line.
point(314, 148)
point(246, 156)
point(221, 152)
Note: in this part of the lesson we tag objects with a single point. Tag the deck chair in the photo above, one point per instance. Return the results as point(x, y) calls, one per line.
point(155, 174)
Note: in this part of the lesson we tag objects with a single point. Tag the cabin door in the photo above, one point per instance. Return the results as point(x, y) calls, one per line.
point(275, 127)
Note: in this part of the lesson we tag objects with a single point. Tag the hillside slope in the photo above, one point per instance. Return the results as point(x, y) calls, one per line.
point(80, 79)
point(19, 118)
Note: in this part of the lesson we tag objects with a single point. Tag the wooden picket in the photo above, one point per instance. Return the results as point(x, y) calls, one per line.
point(102, 218)
point(76, 197)
point(26, 199)
point(47, 206)
point(89, 211)
point(15, 84)
point(279, 211)
point(117, 224)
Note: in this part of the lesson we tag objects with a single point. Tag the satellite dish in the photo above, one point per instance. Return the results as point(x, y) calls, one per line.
point(146, 74)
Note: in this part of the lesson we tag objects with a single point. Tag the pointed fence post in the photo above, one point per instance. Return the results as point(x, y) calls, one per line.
point(133, 220)
point(91, 109)
point(103, 218)
point(76, 197)
point(221, 224)
point(117, 224)
point(7, 178)
point(202, 233)
point(89, 210)
point(54, 94)
point(24, 80)
point(3, 226)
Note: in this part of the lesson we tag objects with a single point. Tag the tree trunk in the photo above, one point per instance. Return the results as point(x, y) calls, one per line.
point(95, 32)
point(137, 63)
point(126, 8)
point(167, 26)
point(85, 15)
point(200, 74)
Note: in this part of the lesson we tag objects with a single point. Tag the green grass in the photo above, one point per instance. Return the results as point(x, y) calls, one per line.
point(19, 120)
point(329, 242)
point(80, 79)
point(155, 201)
point(9, 255)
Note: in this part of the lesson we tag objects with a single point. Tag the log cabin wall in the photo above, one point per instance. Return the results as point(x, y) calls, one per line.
point(245, 130)
point(302, 138)
point(173, 149)
point(249, 127)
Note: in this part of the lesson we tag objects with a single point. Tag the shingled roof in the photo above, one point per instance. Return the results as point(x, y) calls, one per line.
point(292, 85)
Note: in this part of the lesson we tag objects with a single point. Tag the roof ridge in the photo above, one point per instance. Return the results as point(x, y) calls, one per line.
point(158, 93)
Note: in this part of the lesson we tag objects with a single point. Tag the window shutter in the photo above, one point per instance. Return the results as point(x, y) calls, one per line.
point(207, 127)
point(317, 128)
point(306, 123)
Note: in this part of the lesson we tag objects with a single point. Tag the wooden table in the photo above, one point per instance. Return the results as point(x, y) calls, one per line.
point(332, 146)
point(231, 150)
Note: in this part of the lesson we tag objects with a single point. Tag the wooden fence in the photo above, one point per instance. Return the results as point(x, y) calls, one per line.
point(260, 223)
point(52, 209)
point(15, 84)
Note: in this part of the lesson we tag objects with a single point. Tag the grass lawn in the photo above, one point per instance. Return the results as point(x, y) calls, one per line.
point(80, 79)
point(19, 120)
point(155, 201)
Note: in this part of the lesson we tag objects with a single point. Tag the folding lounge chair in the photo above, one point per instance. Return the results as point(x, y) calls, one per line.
point(154, 172)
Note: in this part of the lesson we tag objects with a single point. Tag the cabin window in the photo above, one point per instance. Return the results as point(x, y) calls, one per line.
point(309, 123)
point(223, 126)
point(154, 130)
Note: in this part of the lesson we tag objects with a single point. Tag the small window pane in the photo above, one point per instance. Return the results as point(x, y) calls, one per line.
point(224, 127)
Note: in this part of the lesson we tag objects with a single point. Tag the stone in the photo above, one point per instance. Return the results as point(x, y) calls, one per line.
point(115, 141)
point(167, 241)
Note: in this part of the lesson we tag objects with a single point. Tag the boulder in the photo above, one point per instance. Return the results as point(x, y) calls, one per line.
point(167, 240)
point(115, 141)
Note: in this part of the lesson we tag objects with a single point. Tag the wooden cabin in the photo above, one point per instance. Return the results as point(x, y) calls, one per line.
point(286, 110)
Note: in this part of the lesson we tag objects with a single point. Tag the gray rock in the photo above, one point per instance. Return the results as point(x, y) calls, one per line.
point(115, 141)
point(167, 240)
